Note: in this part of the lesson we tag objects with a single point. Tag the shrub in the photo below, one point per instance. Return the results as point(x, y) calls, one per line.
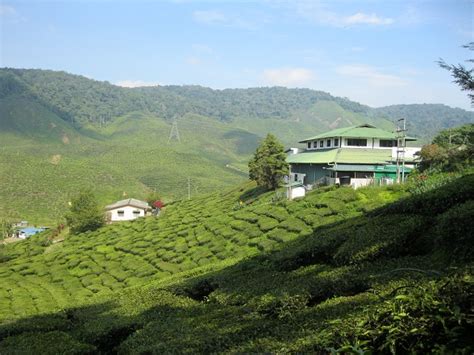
point(267, 223)
point(54, 342)
point(454, 230)
point(434, 317)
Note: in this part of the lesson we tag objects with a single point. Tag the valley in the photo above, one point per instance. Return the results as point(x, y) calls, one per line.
point(60, 133)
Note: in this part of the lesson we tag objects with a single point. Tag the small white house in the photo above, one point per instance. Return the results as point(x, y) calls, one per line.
point(126, 210)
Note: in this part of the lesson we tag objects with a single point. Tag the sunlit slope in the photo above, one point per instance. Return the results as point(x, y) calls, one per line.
point(189, 234)
point(130, 157)
point(355, 277)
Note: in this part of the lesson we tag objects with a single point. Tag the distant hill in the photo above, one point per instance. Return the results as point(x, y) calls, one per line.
point(81, 100)
point(61, 132)
point(427, 119)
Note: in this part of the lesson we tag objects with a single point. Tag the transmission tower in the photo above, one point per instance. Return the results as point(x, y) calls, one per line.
point(174, 133)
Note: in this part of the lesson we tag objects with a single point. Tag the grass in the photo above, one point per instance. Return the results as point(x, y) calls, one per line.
point(296, 287)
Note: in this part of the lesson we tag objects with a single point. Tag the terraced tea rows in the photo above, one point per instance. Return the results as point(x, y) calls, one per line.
point(232, 225)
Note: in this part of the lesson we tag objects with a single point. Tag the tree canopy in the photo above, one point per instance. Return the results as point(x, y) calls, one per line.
point(451, 149)
point(462, 76)
point(268, 165)
point(84, 214)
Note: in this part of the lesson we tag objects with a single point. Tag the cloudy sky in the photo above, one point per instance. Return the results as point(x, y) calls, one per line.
point(374, 52)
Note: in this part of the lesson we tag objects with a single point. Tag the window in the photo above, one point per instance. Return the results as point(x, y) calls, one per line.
point(321, 144)
point(364, 174)
point(309, 145)
point(386, 143)
point(315, 144)
point(136, 212)
point(336, 142)
point(328, 143)
point(357, 142)
point(120, 213)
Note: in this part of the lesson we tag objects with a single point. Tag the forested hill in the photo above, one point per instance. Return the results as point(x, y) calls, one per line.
point(428, 119)
point(83, 101)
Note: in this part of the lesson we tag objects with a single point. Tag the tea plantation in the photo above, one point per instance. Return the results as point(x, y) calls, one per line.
point(374, 270)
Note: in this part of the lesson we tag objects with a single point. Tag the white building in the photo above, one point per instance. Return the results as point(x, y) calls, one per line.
point(357, 156)
point(126, 210)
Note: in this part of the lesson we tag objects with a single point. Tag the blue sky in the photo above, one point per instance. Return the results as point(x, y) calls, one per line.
point(374, 52)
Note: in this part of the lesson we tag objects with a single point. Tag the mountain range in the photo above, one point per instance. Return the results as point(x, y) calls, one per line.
point(60, 133)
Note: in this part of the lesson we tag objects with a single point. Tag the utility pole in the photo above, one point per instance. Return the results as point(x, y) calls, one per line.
point(174, 133)
point(189, 188)
point(401, 142)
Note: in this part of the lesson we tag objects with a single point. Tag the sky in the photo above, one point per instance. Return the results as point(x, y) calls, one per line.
point(375, 52)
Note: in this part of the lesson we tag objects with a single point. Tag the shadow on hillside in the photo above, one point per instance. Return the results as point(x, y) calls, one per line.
point(270, 301)
point(251, 195)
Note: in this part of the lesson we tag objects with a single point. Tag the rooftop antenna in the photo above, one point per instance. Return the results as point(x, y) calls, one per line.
point(401, 143)
point(174, 133)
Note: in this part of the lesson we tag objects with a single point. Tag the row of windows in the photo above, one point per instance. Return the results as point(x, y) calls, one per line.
point(351, 142)
point(321, 143)
point(121, 212)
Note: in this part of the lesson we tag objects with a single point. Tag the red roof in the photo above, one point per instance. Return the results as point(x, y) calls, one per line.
point(158, 204)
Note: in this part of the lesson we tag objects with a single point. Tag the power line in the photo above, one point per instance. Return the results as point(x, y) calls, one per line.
point(401, 143)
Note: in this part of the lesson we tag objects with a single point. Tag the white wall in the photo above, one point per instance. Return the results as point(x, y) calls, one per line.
point(127, 213)
point(355, 183)
point(295, 192)
point(409, 152)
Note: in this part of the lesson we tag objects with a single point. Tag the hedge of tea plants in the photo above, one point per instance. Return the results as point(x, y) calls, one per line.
point(350, 277)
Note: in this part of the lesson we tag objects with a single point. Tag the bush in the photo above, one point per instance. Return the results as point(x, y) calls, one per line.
point(53, 343)
point(84, 214)
point(454, 231)
point(435, 317)
point(267, 223)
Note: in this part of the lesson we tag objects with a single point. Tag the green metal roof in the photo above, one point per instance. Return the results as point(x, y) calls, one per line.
point(360, 131)
point(352, 167)
point(342, 155)
point(313, 157)
point(364, 156)
point(391, 168)
point(377, 168)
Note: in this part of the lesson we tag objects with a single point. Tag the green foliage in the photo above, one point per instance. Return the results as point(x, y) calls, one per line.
point(84, 214)
point(55, 342)
point(358, 280)
point(454, 230)
point(6, 229)
point(117, 135)
point(435, 315)
point(452, 150)
point(463, 76)
point(268, 165)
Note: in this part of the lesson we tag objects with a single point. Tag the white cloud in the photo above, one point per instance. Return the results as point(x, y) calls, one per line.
point(248, 21)
point(319, 13)
point(361, 18)
point(135, 83)
point(290, 77)
point(371, 76)
point(6, 10)
point(209, 17)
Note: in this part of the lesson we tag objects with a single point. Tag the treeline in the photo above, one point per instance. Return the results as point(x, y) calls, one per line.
point(427, 119)
point(81, 100)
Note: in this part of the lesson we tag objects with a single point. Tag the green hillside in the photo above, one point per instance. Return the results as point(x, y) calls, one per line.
point(427, 119)
point(60, 133)
point(375, 268)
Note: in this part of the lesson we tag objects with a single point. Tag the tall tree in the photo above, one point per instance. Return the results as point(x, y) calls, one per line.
point(84, 214)
point(268, 165)
point(462, 75)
